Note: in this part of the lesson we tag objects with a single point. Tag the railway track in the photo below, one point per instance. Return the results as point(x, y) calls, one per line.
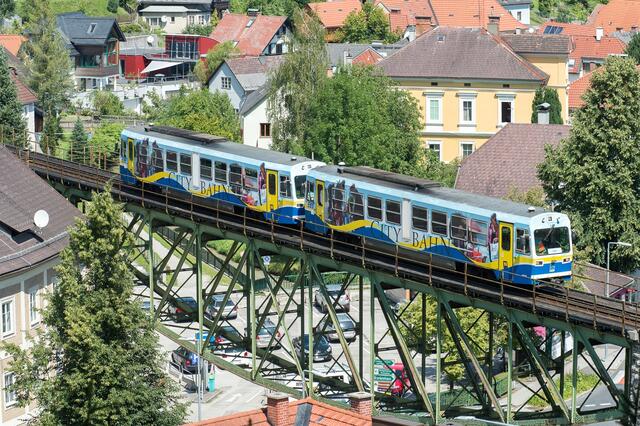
point(552, 301)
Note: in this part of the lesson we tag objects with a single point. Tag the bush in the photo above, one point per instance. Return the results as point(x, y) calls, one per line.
point(203, 30)
point(106, 103)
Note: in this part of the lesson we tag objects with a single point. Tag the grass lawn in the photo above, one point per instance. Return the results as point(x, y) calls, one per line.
point(89, 7)
point(585, 383)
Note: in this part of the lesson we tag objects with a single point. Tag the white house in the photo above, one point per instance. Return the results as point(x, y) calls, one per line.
point(519, 9)
point(256, 127)
point(173, 16)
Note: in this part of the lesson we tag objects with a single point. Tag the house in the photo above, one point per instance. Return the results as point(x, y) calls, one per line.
point(616, 15)
point(254, 34)
point(93, 44)
point(408, 17)
point(304, 412)
point(469, 83)
point(519, 9)
point(28, 255)
point(332, 14)
point(340, 54)
point(254, 121)
point(173, 16)
point(492, 171)
point(579, 87)
point(238, 77)
point(475, 14)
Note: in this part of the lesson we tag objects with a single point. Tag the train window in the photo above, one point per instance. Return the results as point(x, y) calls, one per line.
point(220, 172)
point(250, 179)
point(336, 200)
point(421, 218)
point(158, 161)
point(205, 168)
point(300, 182)
point(355, 204)
point(393, 212)
point(374, 208)
point(142, 154)
point(185, 164)
point(478, 232)
point(320, 194)
point(172, 161)
point(523, 244)
point(235, 178)
point(123, 148)
point(285, 186)
point(458, 228)
point(439, 223)
point(505, 242)
point(311, 194)
point(272, 184)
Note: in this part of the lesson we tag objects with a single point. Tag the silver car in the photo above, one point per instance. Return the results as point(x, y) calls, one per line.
point(230, 310)
point(334, 293)
point(347, 325)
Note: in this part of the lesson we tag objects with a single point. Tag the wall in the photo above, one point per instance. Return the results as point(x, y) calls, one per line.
point(524, 10)
point(236, 93)
point(557, 69)
point(133, 64)
point(251, 126)
point(181, 20)
point(29, 114)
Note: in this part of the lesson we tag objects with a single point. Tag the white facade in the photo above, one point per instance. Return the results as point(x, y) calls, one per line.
point(173, 19)
point(225, 81)
point(256, 127)
point(519, 10)
point(29, 114)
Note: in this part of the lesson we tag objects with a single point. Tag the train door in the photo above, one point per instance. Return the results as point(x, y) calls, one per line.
point(320, 199)
point(131, 150)
point(506, 249)
point(272, 190)
point(406, 220)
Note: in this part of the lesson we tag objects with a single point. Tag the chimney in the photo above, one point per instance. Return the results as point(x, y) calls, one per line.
point(494, 24)
point(599, 33)
point(278, 409)
point(543, 113)
point(253, 12)
point(347, 58)
point(360, 403)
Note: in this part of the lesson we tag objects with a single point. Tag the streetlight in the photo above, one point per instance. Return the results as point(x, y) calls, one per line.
point(609, 244)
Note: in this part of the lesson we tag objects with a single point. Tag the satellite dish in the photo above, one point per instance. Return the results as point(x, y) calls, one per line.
point(150, 40)
point(41, 219)
point(164, 19)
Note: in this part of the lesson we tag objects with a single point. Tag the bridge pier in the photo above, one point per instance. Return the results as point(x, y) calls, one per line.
point(633, 382)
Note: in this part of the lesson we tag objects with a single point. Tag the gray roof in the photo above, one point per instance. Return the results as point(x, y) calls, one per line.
point(22, 193)
point(514, 2)
point(176, 2)
point(336, 51)
point(623, 36)
point(139, 45)
point(76, 29)
point(252, 71)
point(460, 53)
point(554, 44)
point(254, 98)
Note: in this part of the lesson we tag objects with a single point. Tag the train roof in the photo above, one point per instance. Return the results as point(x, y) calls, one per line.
point(217, 143)
point(398, 183)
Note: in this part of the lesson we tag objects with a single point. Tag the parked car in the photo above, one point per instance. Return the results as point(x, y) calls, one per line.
point(334, 294)
point(185, 360)
point(179, 314)
point(263, 336)
point(227, 349)
point(400, 383)
point(230, 310)
point(321, 348)
point(347, 325)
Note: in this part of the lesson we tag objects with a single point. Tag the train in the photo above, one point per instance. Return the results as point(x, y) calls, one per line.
point(511, 241)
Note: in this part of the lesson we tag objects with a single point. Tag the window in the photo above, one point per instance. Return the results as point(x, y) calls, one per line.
point(272, 184)
point(205, 169)
point(439, 223)
point(374, 208)
point(250, 179)
point(393, 212)
point(435, 146)
point(123, 148)
point(523, 241)
point(285, 186)
point(235, 178)
point(158, 160)
point(265, 130)
point(225, 83)
point(92, 28)
point(143, 154)
point(173, 19)
point(172, 161)
point(10, 396)
point(185, 164)
point(506, 104)
point(458, 228)
point(434, 109)
point(466, 149)
point(89, 61)
point(336, 201)
point(7, 317)
point(300, 184)
point(467, 109)
point(552, 240)
point(420, 218)
point(519, 15)
point(505, 238)
point(478, 232)
point(355, 205)
point(201, 19)
point(33, 306)
point(221, 172)
point(192, 19)
point(311, 193)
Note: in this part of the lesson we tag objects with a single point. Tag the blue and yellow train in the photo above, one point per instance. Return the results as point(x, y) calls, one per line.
point(513, 241)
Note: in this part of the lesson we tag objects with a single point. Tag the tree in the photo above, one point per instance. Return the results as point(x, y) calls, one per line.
point(7, 8)
point(367, 25)
point(594, 175)
point(12, 124)
point(106, 103)
point(104, 144)
point(51, 134)
point(203, 30)
point(215, 56)
point(550, 96)
point(295, 83)
point(633, 48)
point(269, 7)
point(112, 6)
point(79, 143)
point(97, 361)
point(202, 111)
point(359, 118)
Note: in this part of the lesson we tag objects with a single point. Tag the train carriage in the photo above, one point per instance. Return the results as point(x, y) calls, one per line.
point(267, 182)
point(515, 242)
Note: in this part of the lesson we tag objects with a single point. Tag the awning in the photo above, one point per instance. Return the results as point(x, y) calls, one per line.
point(159, 65)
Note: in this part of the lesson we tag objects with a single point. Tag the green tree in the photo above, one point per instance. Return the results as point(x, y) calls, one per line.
point(633, 48)
point(112, 6)
point(594, 175)
point(97, 361)
point(203, 30)
point(367, 25)
point(104, 143)
point(51, 133)
point(269, 7)
point(550, 96)
point(7, 8)
point(532, 197)
point(202, 111)
point(106, 103)
point(79, 143)
point(12, 124)
point(358, 117)
point(215, 56)
point(295, 83)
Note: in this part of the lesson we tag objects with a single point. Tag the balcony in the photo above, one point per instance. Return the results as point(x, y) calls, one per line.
point(100, 71)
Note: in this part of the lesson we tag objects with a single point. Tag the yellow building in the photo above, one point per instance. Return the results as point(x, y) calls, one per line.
point(470, 83)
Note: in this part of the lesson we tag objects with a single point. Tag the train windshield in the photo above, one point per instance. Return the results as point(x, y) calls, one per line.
point(299, 182)
point(554, 240)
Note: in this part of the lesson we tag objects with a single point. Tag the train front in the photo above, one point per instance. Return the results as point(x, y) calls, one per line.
point(552, 247)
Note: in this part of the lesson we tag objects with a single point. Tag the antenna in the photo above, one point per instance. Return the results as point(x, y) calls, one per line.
point(41, 219)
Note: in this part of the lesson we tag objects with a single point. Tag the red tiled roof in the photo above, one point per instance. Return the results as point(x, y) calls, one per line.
point(580, 86)
point(252, 40)
point(321, 414)
point(589, 47)
point(368, 57)
point(570, 29)
point(12, 42)
point(617, 15)
point(333, 13)
point(491, 170)
point(473, 13)
point(403, 13)
point(25, 95)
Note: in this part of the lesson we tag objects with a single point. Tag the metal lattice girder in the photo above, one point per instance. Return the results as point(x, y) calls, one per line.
point(456, 329)
point(403, 350)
